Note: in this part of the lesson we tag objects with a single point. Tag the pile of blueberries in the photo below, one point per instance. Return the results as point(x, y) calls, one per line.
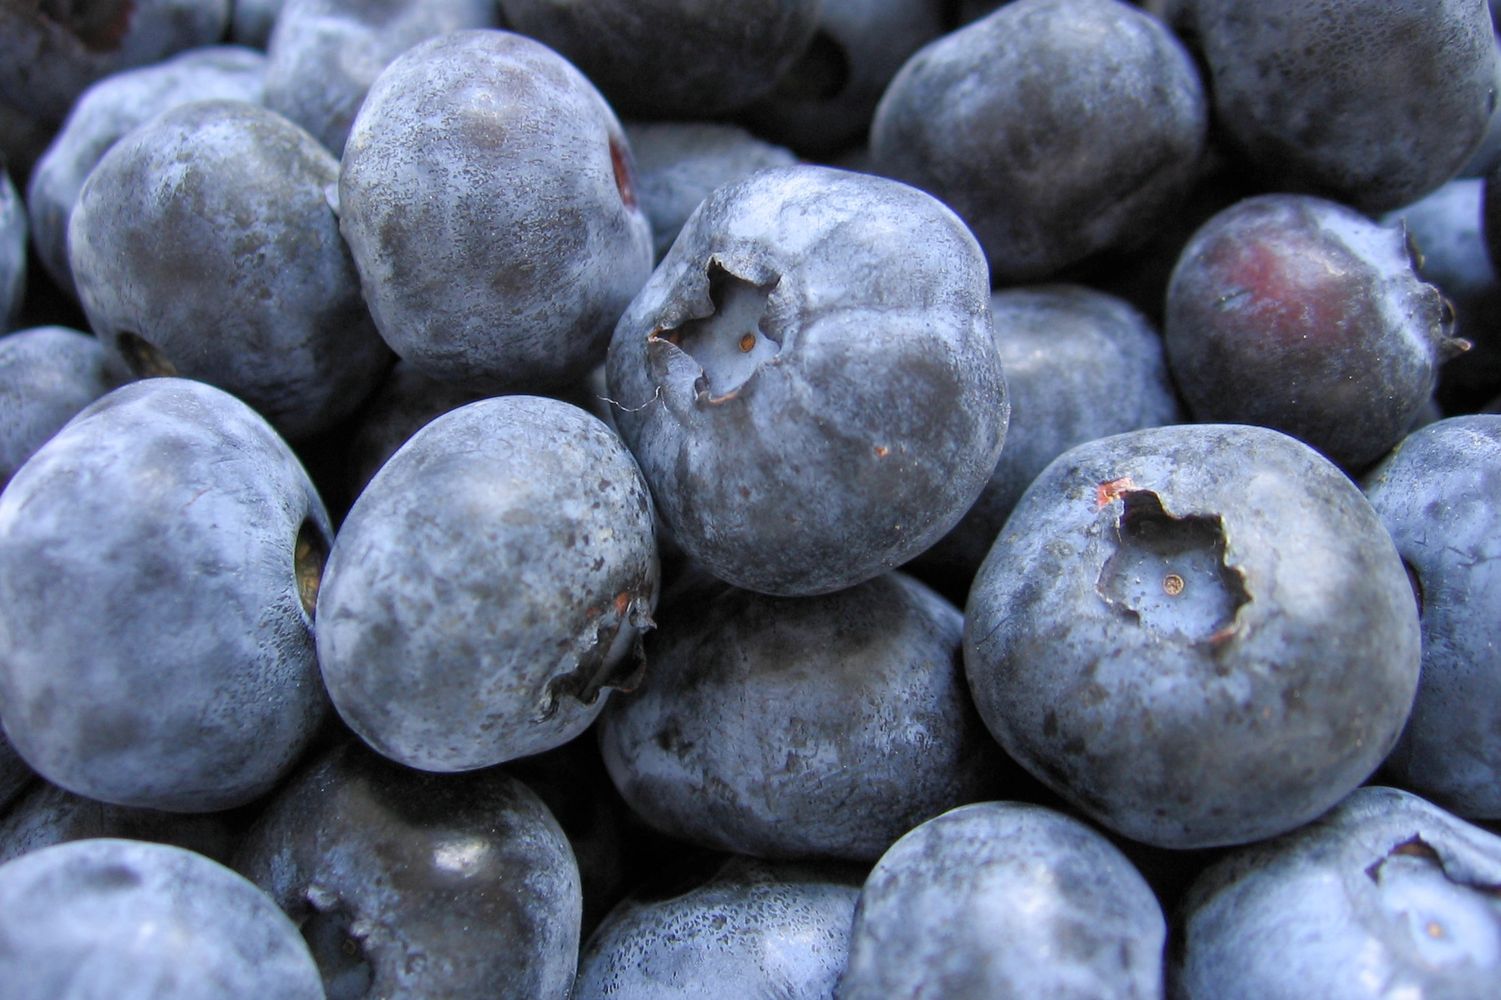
point(797, 498)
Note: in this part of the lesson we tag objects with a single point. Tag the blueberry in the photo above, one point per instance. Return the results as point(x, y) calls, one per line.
point(803, 727)
point(128, 920)
point(323, 55)
point(1080, 365)
point(809, 379)
point(252, 21)
point(402, 405)
point(1362, 101)
point(673, 58)
point(51, 52)
point(823, 103)
point(106, 112)
point(487, 196)
point(1446, 229)
point(1300, 314)
point(679, 164)
point(755, 928)
point(46, 815)
point(1198, 635)
point(47, 374)
point(15, 774)
point(14, 228)
point(159, 560)
point(1437, 494)
point(203, 245)
point(1004, 899)
point(1056, 128)
point(484, 592)
point(1385, 896)
point(415, 885)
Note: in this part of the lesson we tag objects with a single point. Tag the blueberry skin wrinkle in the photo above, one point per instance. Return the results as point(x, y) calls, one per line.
point(1386, 895)
point(487, 194)
point(754, 929)
point(485, 589)
point(111, 919)
point(809, 380)
point(411, 885)
point(1368, 102)
point(203, 244)
point(1004, 899)
point(1199, 635)
point(811, 727)
point(156, 643)
point(1055, 128)
point(1437, 494)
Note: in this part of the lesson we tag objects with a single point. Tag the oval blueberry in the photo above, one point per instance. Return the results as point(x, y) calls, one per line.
point(820, 726)
point(484, 591)
point(1198, 635)
point(1004, 899)
point(486, 192)
point(809, 379)
point(159, 560)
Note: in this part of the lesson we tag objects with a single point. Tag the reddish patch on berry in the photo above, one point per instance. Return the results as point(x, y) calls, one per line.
point(1112, 490)
point(620, 161)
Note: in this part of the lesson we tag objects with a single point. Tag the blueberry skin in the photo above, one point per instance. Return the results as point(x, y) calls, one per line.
point(1437, 495)
point(809, 379)
point(48, 815)
point(50, 53)
point(1298, 313)
point(252, 21)
point(1369, 103)
point(816, 727)
point(1055, 128)
point(1387, 895)
point(15, 773)
point(412, 885)
point(47, 375)
point(754, 929)
point(673, 58)
point(1004, 899)
point(1446, 228)
point(679, 164)
point(204, 245)
point(158, 566)
point(1199, 635)
point(1080, 364)
point(486, 586)
point(128, 920)
point(823, 104)
point(402, 404)
point(487, 197)
point(13, 233)
point(107, 111)
point(324, 54)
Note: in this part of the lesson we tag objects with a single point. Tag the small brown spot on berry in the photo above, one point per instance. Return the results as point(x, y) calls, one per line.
point(620, 162)
point(747, 343)
point(1172, 585)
